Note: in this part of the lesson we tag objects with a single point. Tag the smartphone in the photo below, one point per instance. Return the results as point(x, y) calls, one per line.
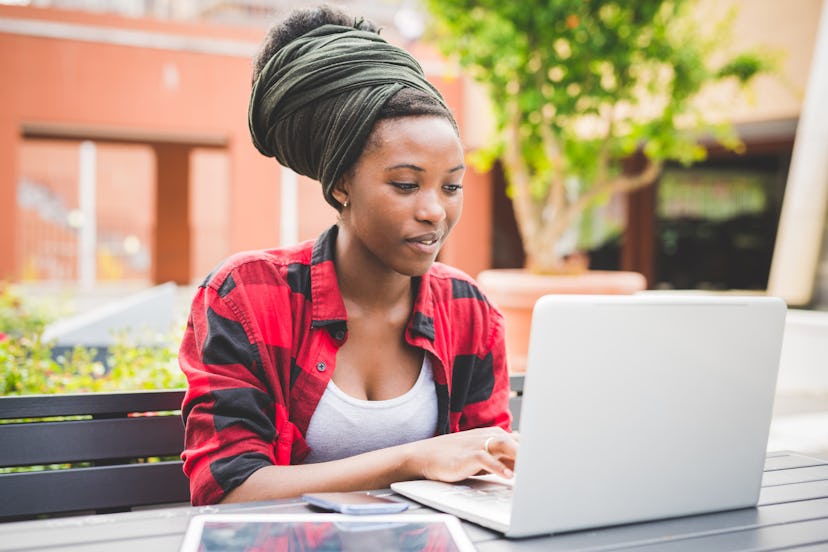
point(354, 503)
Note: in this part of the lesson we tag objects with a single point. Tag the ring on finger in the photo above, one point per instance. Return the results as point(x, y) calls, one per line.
point(486, 445)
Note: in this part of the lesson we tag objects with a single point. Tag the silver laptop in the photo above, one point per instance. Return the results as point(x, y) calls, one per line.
point(635, 408)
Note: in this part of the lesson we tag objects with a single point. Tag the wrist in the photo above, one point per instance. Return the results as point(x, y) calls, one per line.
point(412, 465)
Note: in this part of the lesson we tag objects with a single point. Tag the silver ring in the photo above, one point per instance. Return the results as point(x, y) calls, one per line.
point(486, 445)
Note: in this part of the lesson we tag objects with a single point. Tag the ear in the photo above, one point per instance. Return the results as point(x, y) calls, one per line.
point(340, 190)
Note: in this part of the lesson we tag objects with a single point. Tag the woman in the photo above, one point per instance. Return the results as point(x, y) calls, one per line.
point(355, 360)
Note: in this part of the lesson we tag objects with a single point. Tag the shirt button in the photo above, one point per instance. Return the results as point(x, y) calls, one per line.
point(339, 335)
point(321, 366)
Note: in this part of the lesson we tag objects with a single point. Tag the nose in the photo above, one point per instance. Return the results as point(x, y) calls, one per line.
point(430, 207)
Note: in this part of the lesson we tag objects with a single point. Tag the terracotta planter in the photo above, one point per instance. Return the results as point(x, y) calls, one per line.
point(515, 291)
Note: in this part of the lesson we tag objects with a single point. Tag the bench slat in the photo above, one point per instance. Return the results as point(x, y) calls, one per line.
point(90, 440)
point(36, 406)
point(516, 383)
point(516, 400)
point(98, 488)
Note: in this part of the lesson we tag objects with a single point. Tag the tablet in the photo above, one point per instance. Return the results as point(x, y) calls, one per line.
point(316, 532)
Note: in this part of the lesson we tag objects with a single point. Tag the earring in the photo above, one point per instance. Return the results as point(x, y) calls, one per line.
point(346, 203)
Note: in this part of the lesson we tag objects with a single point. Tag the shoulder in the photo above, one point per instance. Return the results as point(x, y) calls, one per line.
point(449, 283)
point(459, 300)
point(259, 267)
point(467, 326)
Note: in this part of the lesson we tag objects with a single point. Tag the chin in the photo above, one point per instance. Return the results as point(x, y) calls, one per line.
point(415, 269)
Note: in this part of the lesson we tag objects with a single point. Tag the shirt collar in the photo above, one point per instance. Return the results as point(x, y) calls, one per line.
point(422, 317)
point(328, 306)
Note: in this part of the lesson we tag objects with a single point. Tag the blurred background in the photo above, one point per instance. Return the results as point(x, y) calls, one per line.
point(125, 162)
point(126, 158)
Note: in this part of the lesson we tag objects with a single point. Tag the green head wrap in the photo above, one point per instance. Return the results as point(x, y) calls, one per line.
point(314, 103)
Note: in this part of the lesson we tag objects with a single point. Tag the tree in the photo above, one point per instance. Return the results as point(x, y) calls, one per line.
point(578, 86)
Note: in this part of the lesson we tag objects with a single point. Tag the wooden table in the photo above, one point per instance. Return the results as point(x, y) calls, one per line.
point(792, 514)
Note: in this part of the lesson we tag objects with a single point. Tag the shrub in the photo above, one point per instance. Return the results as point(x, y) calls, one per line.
point(29, 366)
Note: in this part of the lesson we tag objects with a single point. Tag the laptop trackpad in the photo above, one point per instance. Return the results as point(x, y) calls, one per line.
point(486, 500)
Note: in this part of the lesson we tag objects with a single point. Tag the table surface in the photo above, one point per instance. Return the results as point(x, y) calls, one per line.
point(792, 514)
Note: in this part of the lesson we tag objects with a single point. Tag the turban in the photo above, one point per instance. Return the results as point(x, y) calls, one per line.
point(314, 103)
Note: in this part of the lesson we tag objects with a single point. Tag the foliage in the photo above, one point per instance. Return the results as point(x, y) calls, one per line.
point(18, 317)
point(30, 366)
point(578, 86)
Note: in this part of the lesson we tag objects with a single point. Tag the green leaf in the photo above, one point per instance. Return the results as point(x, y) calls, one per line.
point(567, 66)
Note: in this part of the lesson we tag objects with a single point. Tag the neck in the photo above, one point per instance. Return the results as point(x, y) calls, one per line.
point(367, 282)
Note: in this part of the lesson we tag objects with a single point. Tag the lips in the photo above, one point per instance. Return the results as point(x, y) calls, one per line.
point(426, 239)
point(426, 243)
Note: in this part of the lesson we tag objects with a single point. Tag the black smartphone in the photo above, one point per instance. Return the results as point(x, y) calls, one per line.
point(354, 503)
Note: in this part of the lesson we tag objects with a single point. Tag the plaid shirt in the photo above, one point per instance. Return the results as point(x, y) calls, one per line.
point(261, 344)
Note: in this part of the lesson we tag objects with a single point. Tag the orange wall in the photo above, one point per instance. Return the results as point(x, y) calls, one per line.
point(124, 202)
point(138, 92)
point(8, 195)
point(50, 248)
point(209, 210)
point(152, 95)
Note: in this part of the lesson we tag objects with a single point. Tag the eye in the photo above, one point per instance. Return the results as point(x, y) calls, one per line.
point(405, 186)
point(452, 188)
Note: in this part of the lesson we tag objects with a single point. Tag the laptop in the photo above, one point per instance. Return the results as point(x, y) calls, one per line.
point(635, 408)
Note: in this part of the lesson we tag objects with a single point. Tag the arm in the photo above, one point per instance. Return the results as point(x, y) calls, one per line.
point(480, 381)
point(230, 413)
point(449, 457)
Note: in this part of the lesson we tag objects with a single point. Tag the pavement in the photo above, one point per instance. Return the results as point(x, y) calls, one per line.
point(800, 423)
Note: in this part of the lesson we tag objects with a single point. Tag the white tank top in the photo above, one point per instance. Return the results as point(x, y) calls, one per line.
point(344, 426)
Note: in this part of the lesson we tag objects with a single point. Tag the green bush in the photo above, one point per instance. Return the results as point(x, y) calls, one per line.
point(29, 366)
point(19, 317)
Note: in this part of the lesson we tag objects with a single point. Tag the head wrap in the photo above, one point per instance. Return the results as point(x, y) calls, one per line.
point(314, 103)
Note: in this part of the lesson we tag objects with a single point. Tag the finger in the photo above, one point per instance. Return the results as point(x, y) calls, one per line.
point(491, 464)
point(503, 447)
point(497, 431)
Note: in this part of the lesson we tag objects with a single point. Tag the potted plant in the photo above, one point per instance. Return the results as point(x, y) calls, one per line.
point(577, 87)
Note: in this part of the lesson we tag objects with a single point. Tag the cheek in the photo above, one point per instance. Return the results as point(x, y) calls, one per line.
point(454, 209)
point(458, 206)
point(376, 220)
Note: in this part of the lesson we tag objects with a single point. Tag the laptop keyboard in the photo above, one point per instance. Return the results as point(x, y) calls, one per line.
point(489, 494)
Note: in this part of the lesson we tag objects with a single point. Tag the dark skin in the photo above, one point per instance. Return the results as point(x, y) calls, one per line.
point(402, 198)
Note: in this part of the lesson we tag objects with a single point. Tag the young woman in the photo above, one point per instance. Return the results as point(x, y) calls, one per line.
point(355, 360)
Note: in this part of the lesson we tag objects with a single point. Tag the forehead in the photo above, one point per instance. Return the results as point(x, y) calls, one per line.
point(420, 134)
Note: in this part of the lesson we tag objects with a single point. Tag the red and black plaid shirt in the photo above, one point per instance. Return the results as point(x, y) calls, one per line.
point(261, 344)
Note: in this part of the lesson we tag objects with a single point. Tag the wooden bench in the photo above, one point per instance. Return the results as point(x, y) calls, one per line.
point(106, 443)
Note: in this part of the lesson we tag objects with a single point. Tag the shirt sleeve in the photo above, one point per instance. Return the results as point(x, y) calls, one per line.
point(487, 401)
point(228, 409)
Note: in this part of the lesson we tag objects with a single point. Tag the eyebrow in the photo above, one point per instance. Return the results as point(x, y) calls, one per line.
point(459, 167)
